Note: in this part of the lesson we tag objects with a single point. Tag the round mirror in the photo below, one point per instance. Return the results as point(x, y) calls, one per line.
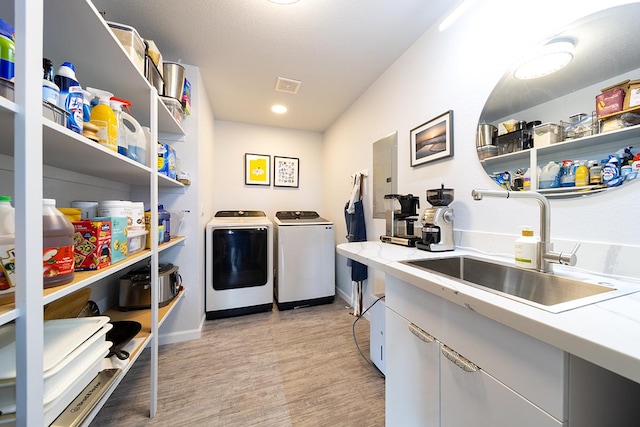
point(580, 111)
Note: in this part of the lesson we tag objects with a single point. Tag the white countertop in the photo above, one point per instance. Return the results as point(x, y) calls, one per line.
point(606, 333)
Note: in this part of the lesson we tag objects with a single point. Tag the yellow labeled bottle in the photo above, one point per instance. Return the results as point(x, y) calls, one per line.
point(582, 175)
point(105, 119)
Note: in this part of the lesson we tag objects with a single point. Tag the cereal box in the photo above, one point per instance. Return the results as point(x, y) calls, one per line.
point(91, 244)
point(118, 236)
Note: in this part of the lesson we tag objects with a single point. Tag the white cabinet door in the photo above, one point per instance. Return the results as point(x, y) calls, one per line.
point(412, 374)
point(471, 397)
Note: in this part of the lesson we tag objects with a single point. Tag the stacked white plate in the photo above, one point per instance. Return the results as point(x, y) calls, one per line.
point(73, 353)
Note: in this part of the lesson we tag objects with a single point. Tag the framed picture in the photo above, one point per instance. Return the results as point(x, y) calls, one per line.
point(432, 140)
point(285, 171)
point(256, 169)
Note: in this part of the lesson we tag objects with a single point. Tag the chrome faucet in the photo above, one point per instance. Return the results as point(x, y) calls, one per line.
point(546, 256)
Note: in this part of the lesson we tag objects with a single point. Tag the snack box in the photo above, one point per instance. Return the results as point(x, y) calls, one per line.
point(118, 236)
point(633, 95)
point(91, 244)
point(612, 99)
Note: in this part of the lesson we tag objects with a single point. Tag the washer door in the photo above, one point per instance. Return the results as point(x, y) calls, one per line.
point(240, 258)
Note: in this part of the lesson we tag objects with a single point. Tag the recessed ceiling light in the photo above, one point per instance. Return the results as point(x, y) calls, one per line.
point(548, 59)
point(279, 109)
point(283, 1)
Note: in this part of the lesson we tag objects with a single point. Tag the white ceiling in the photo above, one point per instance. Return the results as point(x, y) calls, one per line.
point(337, 48)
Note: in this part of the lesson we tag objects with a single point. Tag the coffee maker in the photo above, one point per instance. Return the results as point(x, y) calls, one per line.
point(437, 221)
point(401, 214)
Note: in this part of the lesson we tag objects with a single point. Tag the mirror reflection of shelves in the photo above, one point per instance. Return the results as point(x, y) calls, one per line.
point(594, 147)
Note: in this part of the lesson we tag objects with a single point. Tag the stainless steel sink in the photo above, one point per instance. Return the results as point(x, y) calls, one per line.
point(547, 291)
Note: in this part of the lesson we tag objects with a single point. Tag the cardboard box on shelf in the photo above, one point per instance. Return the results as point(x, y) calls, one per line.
point(633, 95)
point(118, 236)
point(612, 99)
point(91, 244)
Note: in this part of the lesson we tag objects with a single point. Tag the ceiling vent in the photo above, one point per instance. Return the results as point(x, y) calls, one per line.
point(287, 85)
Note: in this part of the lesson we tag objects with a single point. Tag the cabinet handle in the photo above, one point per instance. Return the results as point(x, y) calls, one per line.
point(461, 362)
point(422, 335)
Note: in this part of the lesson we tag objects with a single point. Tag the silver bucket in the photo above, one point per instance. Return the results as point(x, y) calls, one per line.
point(173, 79)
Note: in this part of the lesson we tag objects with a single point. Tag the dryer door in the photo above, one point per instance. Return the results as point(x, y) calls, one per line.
point(239, 257)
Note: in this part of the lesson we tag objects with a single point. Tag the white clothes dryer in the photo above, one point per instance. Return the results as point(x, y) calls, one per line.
point(238, 264)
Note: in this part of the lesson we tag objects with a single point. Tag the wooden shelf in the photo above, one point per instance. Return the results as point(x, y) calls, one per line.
point(85, 278)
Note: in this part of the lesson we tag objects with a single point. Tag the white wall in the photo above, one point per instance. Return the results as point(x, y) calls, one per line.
point(457, 70)
point(232, 140)
point(196, 153)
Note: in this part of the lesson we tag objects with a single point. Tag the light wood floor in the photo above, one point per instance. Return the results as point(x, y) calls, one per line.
point(292, 368)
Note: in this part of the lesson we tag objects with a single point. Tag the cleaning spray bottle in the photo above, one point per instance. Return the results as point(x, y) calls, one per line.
point(105, 119)
point(117, 105)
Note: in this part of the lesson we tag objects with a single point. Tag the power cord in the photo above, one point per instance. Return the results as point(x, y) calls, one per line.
point(353, 331)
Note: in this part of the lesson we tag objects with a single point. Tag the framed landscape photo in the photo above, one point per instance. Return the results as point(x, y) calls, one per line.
point(286, 171)
point(432, 140)
point(257, 169)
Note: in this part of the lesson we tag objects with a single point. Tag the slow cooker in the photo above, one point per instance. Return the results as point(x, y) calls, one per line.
point(135, 287)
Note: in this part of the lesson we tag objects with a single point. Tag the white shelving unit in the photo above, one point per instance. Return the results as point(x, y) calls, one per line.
point(73, 30)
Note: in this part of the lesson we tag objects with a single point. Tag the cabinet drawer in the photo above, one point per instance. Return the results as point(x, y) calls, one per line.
point(420, 307)
point(533, 368)
point(473, 398)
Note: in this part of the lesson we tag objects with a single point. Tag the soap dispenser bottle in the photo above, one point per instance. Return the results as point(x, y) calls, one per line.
point(105, 119)
point(526, 249)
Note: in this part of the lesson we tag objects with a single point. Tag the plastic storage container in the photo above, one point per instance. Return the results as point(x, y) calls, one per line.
point(546, 134)
point(175, 107)
point(526, 249)
point(116, 208)
point(89, 208)
point(137, 240)
point(7, 50)
point(132, 43)
point(57, 246)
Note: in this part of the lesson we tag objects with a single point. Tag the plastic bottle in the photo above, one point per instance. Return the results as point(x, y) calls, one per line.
point(527, 180)
point(50, 90)
point(116, 105)
point(582, 175)
point(57, 246)
point(164, 220)
point(549, 176)
point(611, 172)
point(526, 249)
point(136, 139)
point(7, 245)
point(71, 95)
point(7, 50)
point(567, 174)
point(105, 119)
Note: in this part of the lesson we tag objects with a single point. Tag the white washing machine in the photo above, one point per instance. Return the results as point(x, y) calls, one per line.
point(304, 256)
point(238, 264)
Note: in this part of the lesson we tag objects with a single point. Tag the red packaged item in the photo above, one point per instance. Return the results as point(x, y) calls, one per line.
point(611, 100)
point(92, 244)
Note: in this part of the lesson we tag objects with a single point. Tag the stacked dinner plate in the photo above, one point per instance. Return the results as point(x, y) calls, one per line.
point(73, 353)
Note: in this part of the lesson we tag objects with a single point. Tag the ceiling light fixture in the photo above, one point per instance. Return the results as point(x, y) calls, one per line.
point(456, 14)
point(279, 109)
point(283, 1)
point(548, 59)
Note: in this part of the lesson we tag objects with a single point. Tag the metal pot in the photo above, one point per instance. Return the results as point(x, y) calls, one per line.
point(485, 135)
point(135, 287)
point(173, 79)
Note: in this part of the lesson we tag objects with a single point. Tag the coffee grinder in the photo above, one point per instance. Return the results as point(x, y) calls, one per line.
point(437, 221)
point(401, 214)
